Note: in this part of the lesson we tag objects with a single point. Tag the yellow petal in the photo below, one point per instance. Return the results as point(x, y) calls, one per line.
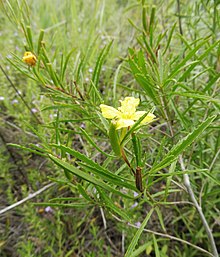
point(128, 105)
point(109, 112)
point(138, 115)
point(149, 118)
point(123, 123)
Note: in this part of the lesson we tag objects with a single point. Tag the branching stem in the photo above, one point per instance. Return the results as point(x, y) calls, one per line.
point(166, 236)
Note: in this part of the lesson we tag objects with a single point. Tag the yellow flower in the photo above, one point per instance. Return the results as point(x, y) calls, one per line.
point(126, 115)
point(29, 58)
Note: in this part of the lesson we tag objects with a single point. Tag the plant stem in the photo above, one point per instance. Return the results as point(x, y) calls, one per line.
point(29, 197)
point(199, 209)
point(187, 184)
point(179, 17)
point(124, 157)
point(165, 236)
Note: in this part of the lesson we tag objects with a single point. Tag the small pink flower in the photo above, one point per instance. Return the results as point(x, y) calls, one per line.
point(137, 224)
point(48, 209)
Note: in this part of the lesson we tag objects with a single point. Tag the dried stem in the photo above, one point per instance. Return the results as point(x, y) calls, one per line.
point(187, 184)
point(26, 198)
point(166, 236)
point(199, 209)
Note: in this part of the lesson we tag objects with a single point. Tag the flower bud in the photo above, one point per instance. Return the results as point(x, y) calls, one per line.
point(29, 58)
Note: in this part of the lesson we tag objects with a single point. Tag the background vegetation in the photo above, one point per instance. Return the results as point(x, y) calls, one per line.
point(80, 199)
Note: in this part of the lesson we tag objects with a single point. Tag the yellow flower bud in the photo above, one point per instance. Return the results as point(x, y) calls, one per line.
point(29, 58)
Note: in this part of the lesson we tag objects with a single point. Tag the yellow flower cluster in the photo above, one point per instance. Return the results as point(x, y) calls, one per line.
point(30, 58)
point(126, 115)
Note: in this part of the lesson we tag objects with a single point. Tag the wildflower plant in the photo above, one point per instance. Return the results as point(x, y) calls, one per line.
point(124, 118)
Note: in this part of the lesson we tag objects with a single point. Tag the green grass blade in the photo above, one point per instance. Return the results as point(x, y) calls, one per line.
point(66, 205)
point(137, 235)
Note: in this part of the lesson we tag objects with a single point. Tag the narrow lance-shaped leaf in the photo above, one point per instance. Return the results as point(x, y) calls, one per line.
point(94, 144)
point(29, 35)
point(182, 145)
point(114, 140)
point(137, 149)
point(97, 70)
point(191, 53)
point(96, 169)
point(156, 248)
point(40, 39)
point(110, 204)
point(137, 235)
point(86, 176)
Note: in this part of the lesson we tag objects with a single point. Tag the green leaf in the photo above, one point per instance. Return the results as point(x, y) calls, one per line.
point(29, 38)
point(83, 192)
point(88, 177)
point(168, 180)
point(199, 59)
point(156, 249)
point(182, 145)
point(197, 96)
point(191, 53)
point(94, 144)
point(40, 39)
point(207, 174)
point(160, 217)
point(66, 205)
point(137, 64)
point(96, 168)
point(169, 38)
point(137, 235)
point(65, 64)
point(137, 149)
point(62, 106)
point(110, 204)
point(97, 70)
point(142, 248)
point(109, 177)
point(114, 140)
point(28, 149)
